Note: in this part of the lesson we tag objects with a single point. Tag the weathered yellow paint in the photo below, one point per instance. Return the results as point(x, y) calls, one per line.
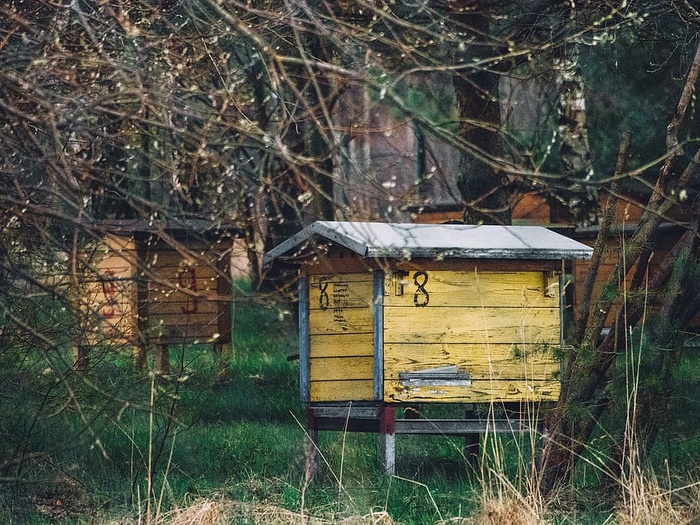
point(341, 321)
point(351, 345)
point(495, 361)
point(110, 298)
point(471, 325)
point(471, 289)
point(480, 391)
point(502, 328)
point(341, 391)
point(365, 276)
point(341, 304)
point(341, 368)
point(341, 317)
point(345, 291)
point(499, 327)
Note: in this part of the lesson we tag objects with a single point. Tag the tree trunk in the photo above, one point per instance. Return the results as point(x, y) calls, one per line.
point(480, 182)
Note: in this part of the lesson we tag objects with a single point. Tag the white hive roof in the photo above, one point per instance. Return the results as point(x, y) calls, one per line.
point(443, 241)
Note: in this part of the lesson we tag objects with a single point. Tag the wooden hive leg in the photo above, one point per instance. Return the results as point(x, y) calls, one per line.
point(471, 443)
point(162, 359)
point(387, 440)
point(311, 450)
point(140, 356)
point(80, 357)
point(222, 354)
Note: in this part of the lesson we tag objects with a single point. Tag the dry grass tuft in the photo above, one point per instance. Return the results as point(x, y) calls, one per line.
point(646, 502)
point(221, 511)
point(508, 509)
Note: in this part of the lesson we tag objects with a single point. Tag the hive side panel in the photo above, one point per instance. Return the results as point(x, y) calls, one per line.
point(472, 289)
point(341, 337)
point(184, 295)
point(111, 293)
point(497, 333)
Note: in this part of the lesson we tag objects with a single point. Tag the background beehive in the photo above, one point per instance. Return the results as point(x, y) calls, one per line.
point(144, 291)
point(185, 297)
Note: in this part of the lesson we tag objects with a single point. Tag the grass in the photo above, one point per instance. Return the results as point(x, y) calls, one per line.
point(233, 451)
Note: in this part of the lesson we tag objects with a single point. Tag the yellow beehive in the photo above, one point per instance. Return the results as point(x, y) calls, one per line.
point(403, 313)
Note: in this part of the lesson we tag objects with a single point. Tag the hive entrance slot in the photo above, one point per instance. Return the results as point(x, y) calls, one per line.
point(440, 376)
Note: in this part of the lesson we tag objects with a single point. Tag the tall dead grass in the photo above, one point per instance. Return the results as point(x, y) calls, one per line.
point(223, 511)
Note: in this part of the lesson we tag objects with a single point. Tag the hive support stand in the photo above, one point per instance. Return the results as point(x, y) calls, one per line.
point(387, 440)
point(381, 419)
point(162, 364)
point(161, 357)
point(471, 441)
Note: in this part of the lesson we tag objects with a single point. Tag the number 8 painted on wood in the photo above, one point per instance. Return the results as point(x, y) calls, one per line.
point(421, 297)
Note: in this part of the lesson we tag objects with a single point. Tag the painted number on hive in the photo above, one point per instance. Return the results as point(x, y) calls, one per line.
point(110, 293)
point(187, 279)
point(421, 297)
point(323, 300)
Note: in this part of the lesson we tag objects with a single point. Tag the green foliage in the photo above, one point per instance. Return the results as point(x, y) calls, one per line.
point(242, 438)
point(633, 85)
point(431, 100)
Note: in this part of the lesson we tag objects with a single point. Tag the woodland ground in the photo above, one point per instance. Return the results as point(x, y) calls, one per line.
point(232, 451)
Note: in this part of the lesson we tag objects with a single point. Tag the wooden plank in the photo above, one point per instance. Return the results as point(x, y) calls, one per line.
point(183, 277)
point(345, 411)
point(342, 345)
point(494, 361)
point(341, 293)
point(480, 391)
point(172, 259)
point(184, 320)
point(379, 335)
point(336, 277)
point(192, 252)
point(341, 321)
point(117, 266)
point(173, 282)
point(471, 325)
point(182, 305)
point(459, 427)
point(341, 391)
point(476, 289)
point(342, 368)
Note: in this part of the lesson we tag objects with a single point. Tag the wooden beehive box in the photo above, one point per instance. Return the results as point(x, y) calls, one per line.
point(185, 296)
point(158, 286)
point(403, 313)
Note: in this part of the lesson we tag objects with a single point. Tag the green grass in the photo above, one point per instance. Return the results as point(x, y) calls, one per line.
point(90, 439)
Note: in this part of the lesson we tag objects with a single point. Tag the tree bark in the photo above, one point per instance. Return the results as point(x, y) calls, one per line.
point(482, 185)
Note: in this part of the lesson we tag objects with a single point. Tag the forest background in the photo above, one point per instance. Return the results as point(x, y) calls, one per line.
point(261, 117)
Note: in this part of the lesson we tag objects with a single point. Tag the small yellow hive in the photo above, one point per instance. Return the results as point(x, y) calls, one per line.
point(406, 313)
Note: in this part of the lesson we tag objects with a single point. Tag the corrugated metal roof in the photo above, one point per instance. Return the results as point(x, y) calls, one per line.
point(441, 241)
